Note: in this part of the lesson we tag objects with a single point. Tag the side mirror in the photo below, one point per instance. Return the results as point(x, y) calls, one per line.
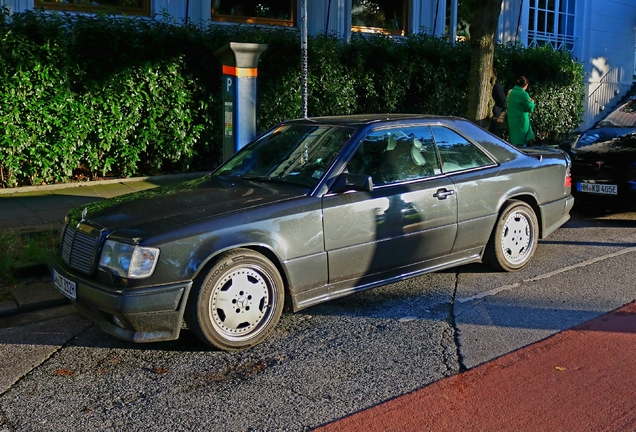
point(352, 182)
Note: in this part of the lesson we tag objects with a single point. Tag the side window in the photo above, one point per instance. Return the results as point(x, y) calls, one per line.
point(456, 152)
point(272, 12)
point(379, 16)
point(396, 155)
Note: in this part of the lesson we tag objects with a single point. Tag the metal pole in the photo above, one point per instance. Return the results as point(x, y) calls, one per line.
point(453, 26)
point(303, 55)
point(519, 22)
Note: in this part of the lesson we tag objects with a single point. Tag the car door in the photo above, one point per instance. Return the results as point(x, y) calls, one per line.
point(477, 185)
point(409, 217)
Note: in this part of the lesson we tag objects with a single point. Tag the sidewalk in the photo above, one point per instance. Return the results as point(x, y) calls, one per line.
point(42, 208)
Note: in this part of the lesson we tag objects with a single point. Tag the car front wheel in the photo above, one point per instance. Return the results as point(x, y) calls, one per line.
point(238, 302)
point(514, 240)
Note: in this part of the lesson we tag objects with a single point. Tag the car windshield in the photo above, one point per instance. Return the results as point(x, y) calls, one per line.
point(291, 153)
point(623, 117)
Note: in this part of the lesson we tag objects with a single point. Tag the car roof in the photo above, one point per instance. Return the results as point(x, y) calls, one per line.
point(366, 119)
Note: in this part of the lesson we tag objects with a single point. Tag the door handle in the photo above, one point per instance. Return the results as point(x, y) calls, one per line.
point(443, 193)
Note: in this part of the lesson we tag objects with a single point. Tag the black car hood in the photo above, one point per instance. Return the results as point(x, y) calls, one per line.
point(606, 142)
point(179, 205)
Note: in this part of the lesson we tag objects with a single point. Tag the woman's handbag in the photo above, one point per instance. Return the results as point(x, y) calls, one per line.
point(502, 120)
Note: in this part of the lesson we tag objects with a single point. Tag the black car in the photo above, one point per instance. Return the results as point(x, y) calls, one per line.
point(312, 210)
point(604, 160)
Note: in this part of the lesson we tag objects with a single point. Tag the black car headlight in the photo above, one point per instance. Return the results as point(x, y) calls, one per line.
point(128, 261)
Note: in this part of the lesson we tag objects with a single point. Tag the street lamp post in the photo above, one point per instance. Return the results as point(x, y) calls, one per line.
point(303, 55)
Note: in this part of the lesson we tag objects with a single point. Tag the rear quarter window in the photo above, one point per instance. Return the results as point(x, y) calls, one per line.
point(456, 152)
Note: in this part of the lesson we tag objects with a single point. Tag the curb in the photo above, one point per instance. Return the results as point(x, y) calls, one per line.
point(21, 189)
point(35, 291)
point(8, 308)
point(32, 296)
point(35, 317)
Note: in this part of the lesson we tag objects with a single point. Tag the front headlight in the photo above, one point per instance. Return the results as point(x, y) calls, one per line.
point(129, 261)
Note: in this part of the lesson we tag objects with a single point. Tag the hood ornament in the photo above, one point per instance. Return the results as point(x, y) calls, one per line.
point(84, 214)
point(599, 164)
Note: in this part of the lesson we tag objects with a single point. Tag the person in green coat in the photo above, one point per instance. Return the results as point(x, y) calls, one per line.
point(520, 105)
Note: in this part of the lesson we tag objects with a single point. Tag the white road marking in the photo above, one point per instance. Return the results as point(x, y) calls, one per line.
point(497, 290)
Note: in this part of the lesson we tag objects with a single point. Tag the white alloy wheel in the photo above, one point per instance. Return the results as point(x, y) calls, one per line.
point(238, 302)
point(514, 239)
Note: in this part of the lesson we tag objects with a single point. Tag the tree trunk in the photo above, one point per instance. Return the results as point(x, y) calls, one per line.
point(482, 46)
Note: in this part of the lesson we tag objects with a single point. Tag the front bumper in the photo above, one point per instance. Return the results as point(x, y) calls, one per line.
point(147, 314)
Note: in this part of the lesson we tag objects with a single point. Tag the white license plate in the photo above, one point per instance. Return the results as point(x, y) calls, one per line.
point(66, 287)
point(602, 189)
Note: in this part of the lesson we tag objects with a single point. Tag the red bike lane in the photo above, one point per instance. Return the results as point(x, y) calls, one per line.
point(582, 379)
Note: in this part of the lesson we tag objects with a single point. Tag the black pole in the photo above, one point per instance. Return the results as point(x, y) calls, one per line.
point(435, 22)
point(519, 22)
point(328, 12)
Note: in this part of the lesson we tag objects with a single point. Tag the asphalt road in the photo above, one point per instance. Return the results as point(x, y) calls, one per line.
point(325, 362)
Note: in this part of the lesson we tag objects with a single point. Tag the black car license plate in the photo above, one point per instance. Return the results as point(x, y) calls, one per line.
point(595, 188)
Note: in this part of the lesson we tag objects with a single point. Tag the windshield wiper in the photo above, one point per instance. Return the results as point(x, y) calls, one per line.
point(283, 180)
point(255, 177)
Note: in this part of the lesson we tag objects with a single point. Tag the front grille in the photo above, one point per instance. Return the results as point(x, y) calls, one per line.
point(79, 249)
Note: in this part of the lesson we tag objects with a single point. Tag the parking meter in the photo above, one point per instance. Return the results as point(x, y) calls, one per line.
point(239, 93)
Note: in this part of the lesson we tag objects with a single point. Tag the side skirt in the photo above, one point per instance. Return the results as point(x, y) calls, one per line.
point(329, 292)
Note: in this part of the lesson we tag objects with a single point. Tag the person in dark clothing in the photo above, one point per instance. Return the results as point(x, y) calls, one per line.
point(500, 104)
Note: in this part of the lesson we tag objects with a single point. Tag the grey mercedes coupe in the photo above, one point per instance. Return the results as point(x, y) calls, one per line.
point(312, 210)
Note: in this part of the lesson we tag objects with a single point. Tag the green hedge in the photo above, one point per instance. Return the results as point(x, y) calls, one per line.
point(94, 95)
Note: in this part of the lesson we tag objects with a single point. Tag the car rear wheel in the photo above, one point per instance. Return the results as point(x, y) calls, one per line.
point(514, 239)
point(238, 302)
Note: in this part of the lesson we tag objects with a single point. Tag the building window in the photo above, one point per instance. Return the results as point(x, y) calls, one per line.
point(129, 7)
point(552, 22)
point(379, 16)
point(277, 12)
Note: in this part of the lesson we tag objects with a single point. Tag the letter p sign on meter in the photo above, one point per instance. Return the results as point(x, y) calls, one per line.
point(228, 111)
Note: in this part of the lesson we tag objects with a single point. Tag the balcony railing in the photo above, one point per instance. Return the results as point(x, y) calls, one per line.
point(558, 42)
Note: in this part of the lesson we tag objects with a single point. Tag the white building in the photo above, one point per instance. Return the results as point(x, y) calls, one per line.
point(599, 33)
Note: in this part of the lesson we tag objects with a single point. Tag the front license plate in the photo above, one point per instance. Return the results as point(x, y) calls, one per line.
point(602, 189)
point(67, 287)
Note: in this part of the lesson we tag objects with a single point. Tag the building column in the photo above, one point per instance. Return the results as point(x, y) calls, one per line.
point(428, 16)
point(513, 22)
point(331, 17)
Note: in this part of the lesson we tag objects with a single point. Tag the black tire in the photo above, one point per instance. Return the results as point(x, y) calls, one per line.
point(514, 239)
point(238, 302)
